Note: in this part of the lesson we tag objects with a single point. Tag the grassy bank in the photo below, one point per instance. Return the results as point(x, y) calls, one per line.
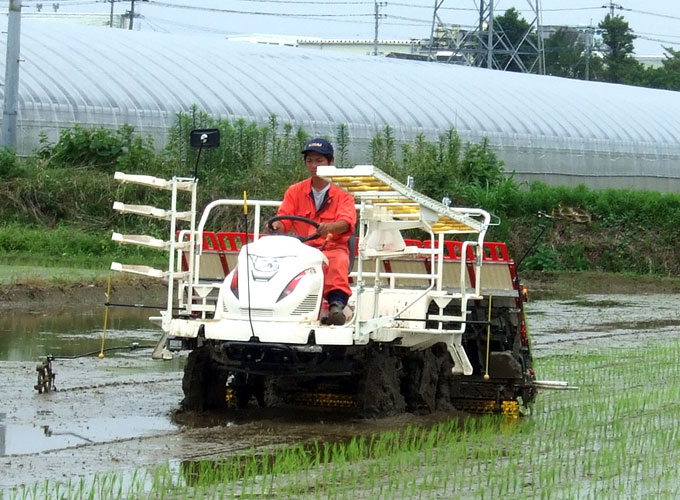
point(615, 438)
point(43, 256)
point(64, 254)
point(56, 205)
point(69, 255)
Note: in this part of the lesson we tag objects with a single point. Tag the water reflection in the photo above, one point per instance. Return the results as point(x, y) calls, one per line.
point(24, 438)
point(3, 433)
point(73, 331)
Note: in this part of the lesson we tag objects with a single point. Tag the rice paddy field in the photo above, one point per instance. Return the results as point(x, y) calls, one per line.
point(617, 437)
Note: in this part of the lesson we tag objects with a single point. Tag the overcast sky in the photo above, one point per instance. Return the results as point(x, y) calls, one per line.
point(656, 22)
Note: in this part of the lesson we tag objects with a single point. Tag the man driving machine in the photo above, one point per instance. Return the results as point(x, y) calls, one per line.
point(333, 209)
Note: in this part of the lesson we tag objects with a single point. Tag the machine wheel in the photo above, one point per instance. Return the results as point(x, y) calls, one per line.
point(204, 384)
point(379, 392)
point(426, 387)
point(245, 386)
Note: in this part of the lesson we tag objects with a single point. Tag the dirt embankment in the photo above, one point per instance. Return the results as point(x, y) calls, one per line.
point(565, 285)
point(25, 295)
point(50, 295)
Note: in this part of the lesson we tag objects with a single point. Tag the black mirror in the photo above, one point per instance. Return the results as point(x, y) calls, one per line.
point(205, 138)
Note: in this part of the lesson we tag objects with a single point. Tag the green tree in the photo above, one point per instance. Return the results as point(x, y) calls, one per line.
point(671, 60)
point(481, 166)
point(383, 151)
point(565, 54)
point(618, 39)
point(342, 141)
point(670, 70)
point(667, 76)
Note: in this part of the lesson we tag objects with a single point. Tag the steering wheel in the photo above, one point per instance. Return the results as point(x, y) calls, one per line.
point(315, 234)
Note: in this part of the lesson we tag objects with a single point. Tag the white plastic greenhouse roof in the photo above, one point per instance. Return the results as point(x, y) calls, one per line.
point(73, 73)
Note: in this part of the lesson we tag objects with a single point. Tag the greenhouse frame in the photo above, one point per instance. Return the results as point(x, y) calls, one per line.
point(556, 130)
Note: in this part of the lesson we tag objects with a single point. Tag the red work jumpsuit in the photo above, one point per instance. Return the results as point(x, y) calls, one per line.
point(337, 205)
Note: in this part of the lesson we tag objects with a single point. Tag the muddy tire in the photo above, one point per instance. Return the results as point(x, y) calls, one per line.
point(246, 387)
point(204, 384)
point(379, 392)
point(426, 380)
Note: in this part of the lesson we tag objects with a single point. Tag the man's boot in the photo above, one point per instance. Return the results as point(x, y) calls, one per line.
point(336, 316)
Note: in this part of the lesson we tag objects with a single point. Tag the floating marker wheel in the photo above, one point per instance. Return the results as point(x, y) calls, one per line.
point(46, 376)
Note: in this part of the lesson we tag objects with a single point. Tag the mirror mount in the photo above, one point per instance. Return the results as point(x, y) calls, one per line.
point(203, 138)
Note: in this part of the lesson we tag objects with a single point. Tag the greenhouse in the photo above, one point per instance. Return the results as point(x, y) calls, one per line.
point(556, 130)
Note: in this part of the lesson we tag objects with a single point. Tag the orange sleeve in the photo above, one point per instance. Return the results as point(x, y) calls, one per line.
point(288, 206)
point(346, 210)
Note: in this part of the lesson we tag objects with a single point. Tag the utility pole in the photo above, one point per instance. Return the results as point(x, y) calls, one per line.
point(111, 17)
point(378, 16)
point(588, 42)
point(612, 6)
point(132, 12)
point(9, 111)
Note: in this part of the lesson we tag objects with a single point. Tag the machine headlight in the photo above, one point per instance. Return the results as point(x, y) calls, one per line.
point(265, 264)
point(264, 268)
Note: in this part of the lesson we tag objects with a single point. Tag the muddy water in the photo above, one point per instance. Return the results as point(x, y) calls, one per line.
point(71, 332)
point(116, 413)
point(602, 321)
point(79, 413)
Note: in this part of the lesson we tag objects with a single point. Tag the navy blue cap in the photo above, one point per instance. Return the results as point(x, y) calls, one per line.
point(320, 146)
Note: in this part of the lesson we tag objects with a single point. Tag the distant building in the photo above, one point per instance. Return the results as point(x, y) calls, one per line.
point(119, 21)
point(363, 47)
point(651, 61)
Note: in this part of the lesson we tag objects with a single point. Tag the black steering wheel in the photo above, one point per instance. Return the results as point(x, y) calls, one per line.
point(315, 234)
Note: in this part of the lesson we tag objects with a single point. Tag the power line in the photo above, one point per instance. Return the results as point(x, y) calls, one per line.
point(64, 3)
point(563, 9)
point(154, 26)
point(657, 34)
point(659, 40)
point(205, 28)
point(411, 20)
point(255, 13)
point(429, 7)
point(156, 21)
point(665, 16)
point(309, 2)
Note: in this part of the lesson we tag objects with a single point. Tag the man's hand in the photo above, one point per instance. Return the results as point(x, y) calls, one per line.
point(338, 227)
point(278, 226)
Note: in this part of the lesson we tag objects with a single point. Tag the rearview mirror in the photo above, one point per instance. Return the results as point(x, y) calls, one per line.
point(205, 138)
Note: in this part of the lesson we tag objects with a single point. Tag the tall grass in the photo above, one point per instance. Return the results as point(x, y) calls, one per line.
point(68, 247)
point(615, 438)
point(69, 183)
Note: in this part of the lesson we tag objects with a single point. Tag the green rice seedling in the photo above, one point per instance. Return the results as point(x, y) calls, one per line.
point(576, 445)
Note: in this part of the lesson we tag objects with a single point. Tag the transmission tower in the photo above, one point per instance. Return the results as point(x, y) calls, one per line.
point(486, 44)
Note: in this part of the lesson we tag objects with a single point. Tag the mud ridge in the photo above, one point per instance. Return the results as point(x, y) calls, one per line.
point(50, 296)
